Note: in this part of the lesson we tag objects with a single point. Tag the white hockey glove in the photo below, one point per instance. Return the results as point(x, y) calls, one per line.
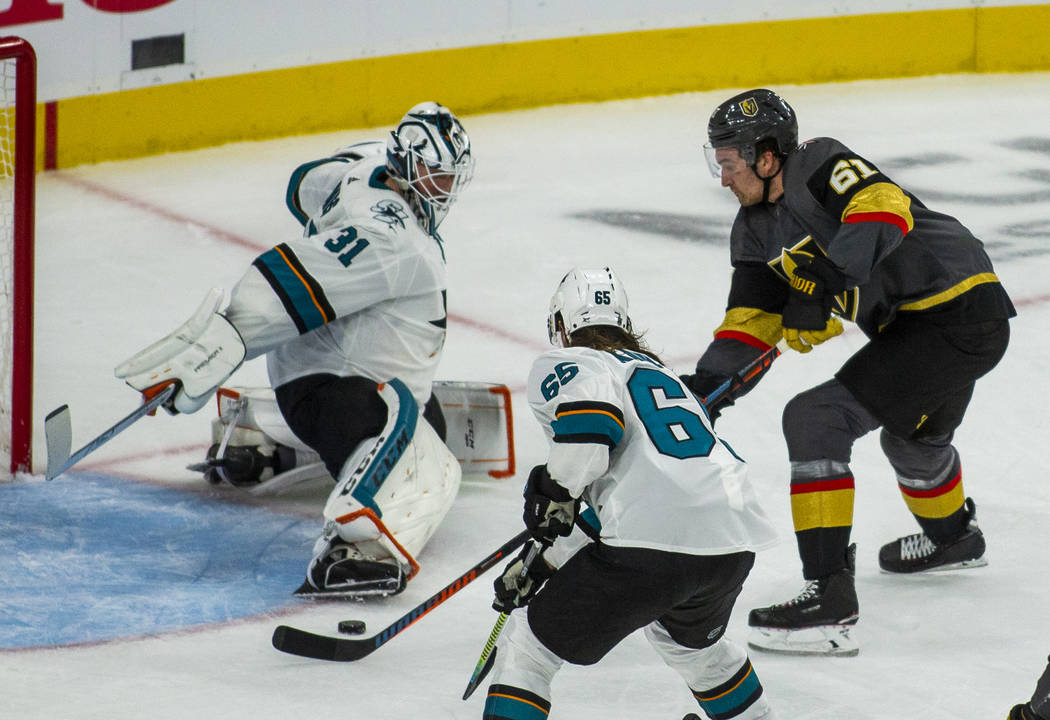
point(200, 355)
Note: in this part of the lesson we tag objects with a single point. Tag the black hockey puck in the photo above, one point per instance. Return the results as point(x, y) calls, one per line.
point(352, 627)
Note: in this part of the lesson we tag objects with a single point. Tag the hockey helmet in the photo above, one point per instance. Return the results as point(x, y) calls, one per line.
point(428, 155)
point(587, 297)
point(745, 120)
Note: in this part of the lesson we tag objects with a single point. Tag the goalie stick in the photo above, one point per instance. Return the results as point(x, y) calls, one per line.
point(322, 647)
point(58, 432)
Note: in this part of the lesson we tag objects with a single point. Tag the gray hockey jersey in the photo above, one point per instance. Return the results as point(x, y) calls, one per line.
point(897, 255)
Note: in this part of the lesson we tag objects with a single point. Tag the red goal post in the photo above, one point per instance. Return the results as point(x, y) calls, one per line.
point(17, 189)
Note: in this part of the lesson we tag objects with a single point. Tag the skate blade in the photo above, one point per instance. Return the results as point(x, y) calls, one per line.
point(961, 565)
point(819, 640)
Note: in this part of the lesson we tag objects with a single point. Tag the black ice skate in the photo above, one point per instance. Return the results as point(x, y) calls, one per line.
point(1022, 712)
point(817, 622)
point(920, 553)
point(244, 465)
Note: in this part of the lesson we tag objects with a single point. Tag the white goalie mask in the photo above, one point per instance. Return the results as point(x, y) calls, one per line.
point(428, 155)
point(587, 297)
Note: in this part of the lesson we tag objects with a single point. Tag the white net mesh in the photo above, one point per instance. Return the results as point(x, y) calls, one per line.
point(7, 214)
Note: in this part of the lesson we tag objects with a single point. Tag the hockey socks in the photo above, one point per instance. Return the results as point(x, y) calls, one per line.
point(506, 702)
point(733, 697)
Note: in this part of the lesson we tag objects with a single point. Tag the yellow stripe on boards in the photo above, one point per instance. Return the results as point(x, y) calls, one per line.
point(375, 92)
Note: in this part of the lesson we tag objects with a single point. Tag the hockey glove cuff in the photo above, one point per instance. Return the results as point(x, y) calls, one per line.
point(514, 588)
point(550, 510)
point(804, 340)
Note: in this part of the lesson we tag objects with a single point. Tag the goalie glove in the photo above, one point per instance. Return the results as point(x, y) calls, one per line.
point(550, 510)
point(199, 356)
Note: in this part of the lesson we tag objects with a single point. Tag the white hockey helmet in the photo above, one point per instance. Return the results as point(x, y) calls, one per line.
point(587, 297)
point(428, 155)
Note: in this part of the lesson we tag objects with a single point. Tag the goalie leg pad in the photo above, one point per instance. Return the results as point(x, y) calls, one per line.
point(393, 492)
point(480, 429)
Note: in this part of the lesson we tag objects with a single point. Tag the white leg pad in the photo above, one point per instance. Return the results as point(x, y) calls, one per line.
point(395, 490)
point(480, 432)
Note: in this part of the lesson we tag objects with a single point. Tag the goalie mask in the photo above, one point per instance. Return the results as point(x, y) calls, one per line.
point(428, 155)
point(587, 297)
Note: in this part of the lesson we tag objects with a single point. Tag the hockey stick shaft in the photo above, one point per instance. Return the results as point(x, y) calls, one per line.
point(58, 433)
point(322, 647)
point(750, 371)
point(489, 653)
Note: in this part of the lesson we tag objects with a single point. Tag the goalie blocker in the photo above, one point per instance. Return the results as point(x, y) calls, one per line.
point(393, 491)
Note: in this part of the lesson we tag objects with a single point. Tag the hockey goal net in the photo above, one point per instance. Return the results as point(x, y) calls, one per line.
point(17, 178)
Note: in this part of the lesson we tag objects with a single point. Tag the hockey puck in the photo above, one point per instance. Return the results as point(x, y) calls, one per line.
point(352, 627)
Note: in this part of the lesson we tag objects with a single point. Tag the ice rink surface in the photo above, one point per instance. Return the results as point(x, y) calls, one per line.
point(134, 590)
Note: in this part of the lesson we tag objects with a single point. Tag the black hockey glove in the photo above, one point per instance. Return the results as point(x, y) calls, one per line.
point(703, 383)
point(518, 584)
point(815, 281)
point(550, 510)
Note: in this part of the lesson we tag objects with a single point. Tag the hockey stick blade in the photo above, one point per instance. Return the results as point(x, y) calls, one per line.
point(58, 433)
point(322, 647)
point(478, 677)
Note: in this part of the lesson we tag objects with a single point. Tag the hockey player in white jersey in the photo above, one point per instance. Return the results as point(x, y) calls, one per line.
point(679, 521)
point(351, 318)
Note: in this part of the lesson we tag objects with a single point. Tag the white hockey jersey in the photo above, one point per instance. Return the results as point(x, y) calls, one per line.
point(362, 292)
point(630, 439)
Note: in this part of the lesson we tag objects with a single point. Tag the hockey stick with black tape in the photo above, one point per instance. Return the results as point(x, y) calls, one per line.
point(322, 647)
point(58, 432)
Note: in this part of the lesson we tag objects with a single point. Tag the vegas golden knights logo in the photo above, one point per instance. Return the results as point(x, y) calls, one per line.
point(845, 303)
point(749, 107)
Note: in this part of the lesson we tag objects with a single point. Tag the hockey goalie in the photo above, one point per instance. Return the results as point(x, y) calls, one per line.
point(351, 319)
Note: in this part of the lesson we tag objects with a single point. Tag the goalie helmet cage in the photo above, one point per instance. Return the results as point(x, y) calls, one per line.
point(17, 179)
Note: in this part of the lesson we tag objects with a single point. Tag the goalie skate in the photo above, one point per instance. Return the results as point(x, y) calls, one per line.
point(343, 572)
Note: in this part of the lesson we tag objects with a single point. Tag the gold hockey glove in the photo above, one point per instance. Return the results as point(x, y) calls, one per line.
point(803, 340)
